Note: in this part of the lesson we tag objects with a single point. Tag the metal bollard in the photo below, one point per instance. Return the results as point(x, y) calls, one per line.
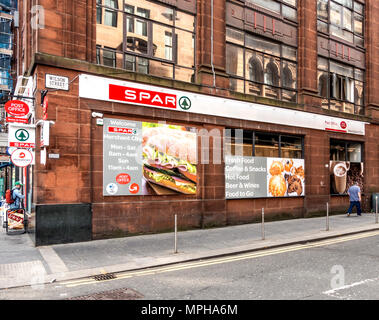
point(263, 223)
point(176, 235)
point(376, 211)
point(327, 216)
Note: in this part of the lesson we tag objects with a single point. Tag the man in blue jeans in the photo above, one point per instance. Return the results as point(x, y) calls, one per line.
point(354, 193)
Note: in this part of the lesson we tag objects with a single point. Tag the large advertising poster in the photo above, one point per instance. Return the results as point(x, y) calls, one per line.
point(259, 177)
point(143, 158)
point(344, 174)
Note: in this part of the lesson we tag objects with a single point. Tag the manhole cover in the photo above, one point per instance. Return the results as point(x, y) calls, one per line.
point(119, 294)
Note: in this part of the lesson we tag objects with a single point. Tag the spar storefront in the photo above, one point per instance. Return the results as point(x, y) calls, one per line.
point(125, 157)
point(211, 160)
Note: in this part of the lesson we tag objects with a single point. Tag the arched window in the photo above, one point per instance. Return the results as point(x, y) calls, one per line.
point(287, 77)
point(272, 74)
point(255, 70)
point(323, 85)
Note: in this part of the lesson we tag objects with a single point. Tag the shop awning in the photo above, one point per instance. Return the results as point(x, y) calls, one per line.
point(5, 164)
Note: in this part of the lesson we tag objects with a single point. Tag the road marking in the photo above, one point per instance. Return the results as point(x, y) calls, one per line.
point(214, 261)
point(333, 291)
point(54, 262)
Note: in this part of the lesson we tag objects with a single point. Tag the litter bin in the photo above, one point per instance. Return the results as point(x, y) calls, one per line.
point(375, 199)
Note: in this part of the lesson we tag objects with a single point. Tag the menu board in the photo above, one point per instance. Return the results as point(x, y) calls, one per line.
point(15, 219)
point(143, 158)
point(260, 177)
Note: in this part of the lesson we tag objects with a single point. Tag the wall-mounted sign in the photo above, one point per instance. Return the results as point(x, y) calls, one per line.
point(259, 177)
point(21, 136)
point(45, 134)
point(22, 158)
point(17, 120)
point(45, 106)
point(142, 158)
point(57, 82)
point(17, 108)
point(138, 94)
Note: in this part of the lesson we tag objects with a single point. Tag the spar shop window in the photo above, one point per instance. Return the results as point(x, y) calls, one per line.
point(346, 166)
point(263, 144)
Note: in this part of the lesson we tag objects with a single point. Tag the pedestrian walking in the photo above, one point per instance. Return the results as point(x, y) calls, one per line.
point(354, 193)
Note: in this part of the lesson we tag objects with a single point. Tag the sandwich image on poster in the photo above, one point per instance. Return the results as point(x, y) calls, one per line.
point(142, 158)
point(169, 159)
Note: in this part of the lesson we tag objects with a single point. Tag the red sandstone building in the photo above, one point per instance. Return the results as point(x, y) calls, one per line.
point(287, 91)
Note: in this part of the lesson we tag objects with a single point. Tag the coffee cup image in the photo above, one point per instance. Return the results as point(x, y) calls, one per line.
point(340, 177)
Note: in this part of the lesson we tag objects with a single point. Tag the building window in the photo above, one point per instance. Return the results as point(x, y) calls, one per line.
point(346, 166)
point(271, 67)
point(341, 87)
point(99, 12)
point(342, 18)
point(261, 144)
point(156, 38)
point(286, 8)
point(109, 57)
point(110, 14)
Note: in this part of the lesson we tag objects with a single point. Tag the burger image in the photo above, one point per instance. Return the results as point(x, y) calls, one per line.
point(169, 158)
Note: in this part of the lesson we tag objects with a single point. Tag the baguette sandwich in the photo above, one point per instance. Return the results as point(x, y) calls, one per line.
point(170, 159)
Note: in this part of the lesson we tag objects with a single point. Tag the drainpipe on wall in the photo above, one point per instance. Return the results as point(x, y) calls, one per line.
point(213, 69)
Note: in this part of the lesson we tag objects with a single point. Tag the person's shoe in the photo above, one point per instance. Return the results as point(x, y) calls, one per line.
point(348, 214)
point(358, 215)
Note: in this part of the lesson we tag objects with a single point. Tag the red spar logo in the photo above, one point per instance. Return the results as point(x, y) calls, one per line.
point(134, 188)
point(142, 96)
point(343, 125)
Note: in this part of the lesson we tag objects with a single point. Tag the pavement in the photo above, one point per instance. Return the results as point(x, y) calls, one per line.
point(22, 264)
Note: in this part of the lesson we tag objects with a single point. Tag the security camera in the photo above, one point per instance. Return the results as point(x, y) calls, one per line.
point(97, 115)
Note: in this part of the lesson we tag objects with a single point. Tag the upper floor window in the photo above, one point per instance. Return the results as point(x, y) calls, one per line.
point(341, 86)
point(286, 8)
point(260, 66)
point(343, 19)
point(152, 38)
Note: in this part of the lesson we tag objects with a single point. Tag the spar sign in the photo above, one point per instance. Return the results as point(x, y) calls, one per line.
point(21, 136)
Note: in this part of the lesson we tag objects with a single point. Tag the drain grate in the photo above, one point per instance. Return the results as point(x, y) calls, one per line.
point(105, 276)
point(119, 294)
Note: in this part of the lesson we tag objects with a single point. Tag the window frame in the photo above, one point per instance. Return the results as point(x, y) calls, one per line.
point(359, 109)
point(353, 12)
point(251, 135)
point(246, 73)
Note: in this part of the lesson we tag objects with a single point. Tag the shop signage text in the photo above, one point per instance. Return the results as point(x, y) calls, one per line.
point(22, 158)
point(57, 82)
point(105, 89)
point(139, 96)
point(20, 136)
point(17, 108)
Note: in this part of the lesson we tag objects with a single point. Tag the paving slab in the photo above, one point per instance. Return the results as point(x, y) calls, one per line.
point(76, 260)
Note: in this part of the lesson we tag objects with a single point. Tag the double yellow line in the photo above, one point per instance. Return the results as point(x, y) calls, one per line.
point(214, 261)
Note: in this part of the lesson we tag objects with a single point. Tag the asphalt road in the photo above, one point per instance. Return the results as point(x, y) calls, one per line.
point(342, 268)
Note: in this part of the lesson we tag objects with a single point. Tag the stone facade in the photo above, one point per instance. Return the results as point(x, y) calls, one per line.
point(67, 46)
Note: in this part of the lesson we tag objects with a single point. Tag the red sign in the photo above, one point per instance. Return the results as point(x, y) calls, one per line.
point(134, 188)
point(343, 125)
point(17, 108)
point(123, 178)
point(45, 107)
point(142, 96)
point(22, 145)
point(17, 120)
point(121, 130)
